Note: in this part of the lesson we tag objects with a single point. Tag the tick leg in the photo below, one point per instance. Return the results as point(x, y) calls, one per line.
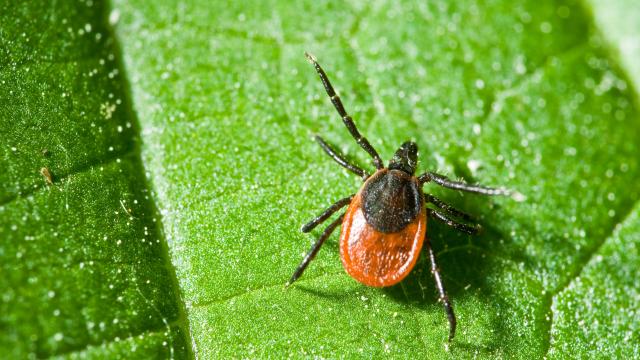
point(314, 250)
point(472, 230)
point(348, 122)
point(448, 308)
point(340, 159)
point(326, 214)
point(458, 185)
point(447, 208)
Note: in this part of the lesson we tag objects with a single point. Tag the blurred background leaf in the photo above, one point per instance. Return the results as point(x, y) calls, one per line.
point(536, 96)
point(84, 268)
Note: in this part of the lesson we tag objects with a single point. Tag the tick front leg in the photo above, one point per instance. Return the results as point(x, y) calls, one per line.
point(471, 230)
point(314, 250)
point(346, 119)
point(459, 185)
point(448, 308)
point(340, 159)
point(327, 213)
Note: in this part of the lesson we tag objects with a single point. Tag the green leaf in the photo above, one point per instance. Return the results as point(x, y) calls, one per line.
point(618, 20)
point(522, 95)
point(83, 260)
point(530, 96)
point(595, 315)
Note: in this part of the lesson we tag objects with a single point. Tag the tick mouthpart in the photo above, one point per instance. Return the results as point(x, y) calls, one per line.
point(405, 158)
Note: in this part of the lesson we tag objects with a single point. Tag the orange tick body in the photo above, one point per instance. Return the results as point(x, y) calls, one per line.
point(376, 255)
point(384, 227)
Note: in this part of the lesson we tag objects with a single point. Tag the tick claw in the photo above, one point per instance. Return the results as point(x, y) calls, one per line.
point(311, 58)
point(518, 196)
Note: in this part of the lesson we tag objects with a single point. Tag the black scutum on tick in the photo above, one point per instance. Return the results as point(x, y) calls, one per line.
point(391, 199)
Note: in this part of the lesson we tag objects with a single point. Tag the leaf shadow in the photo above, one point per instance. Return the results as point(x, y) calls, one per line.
point(464, 264)
point(175, 304)
point(326, 294)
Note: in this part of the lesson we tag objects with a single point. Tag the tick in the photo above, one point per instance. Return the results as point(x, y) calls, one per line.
point(384, 226)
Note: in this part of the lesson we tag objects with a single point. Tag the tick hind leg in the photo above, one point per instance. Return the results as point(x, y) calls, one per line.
point(327, 213)
point(447, 214)
point(448, 308)
point(469, 229)
point(314, 250)
point(346, 119)
point(450, 210)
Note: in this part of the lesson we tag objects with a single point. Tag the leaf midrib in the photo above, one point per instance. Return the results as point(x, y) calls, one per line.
point(156, 330)
point(182, 319)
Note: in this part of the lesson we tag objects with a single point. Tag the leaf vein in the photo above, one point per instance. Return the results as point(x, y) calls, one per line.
point(261, 289)
point(517, 88)
point(582, 264)
point(74, 171)
point(156, 330)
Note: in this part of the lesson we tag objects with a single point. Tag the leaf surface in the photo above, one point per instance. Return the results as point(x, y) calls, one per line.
point(539, 97)
point(523, 95)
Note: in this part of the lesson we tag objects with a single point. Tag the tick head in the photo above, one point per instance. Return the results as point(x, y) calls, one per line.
point(405, 158)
